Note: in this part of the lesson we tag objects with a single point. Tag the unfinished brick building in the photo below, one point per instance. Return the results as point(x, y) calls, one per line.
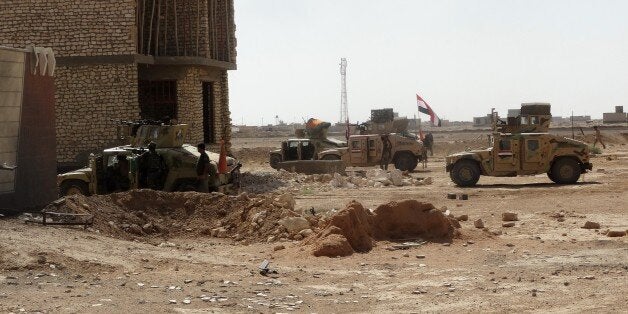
point(130, 59)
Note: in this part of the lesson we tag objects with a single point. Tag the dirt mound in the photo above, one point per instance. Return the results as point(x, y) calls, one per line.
point(411, 219)
point(148, 213)
point(359, 228)
point(332, 245)
point(11, 259)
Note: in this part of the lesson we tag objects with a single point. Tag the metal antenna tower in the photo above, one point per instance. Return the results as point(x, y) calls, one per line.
point(344, 111)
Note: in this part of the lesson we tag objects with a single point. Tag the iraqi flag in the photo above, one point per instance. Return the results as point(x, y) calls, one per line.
point(426, 109)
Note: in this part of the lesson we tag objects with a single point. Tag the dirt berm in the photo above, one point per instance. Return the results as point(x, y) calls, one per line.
point(154, 214)
point(356, 229)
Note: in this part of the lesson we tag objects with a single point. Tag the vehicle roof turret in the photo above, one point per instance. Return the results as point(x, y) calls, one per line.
point(162, 132)
point(532, 118)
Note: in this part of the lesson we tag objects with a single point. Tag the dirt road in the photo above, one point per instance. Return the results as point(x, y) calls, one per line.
point(546, 262)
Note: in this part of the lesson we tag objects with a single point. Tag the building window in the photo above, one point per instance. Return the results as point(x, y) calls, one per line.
point(157, 99)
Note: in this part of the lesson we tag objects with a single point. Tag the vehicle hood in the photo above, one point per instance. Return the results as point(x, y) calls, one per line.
point(214, 157)
point(469, 153)
point(86, 170)
point(568, 141)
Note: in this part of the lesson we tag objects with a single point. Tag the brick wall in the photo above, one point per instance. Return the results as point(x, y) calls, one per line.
point(221, 109)
point(70, 27)
point(190, 100)
point(86, 98)
point(190, 110)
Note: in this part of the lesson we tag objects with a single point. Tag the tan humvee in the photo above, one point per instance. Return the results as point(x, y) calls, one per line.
point(522, 146)
point(179, 158)
point(367, 150)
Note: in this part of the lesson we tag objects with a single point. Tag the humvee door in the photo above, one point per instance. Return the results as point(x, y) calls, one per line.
point(506, 155)
point(358, 151)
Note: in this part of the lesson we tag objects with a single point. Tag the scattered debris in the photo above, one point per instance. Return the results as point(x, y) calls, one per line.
point(479, 224)
point(509, 216)
point(591, 225)
point(616, 233)
point(406, 245)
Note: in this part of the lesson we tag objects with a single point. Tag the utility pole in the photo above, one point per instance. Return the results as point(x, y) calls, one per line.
point(344, 110)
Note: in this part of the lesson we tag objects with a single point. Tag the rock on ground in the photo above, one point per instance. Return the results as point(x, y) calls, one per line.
point(509, 216)
point(591, 225)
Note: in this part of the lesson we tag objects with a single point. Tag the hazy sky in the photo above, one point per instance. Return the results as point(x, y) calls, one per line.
point(462, 57)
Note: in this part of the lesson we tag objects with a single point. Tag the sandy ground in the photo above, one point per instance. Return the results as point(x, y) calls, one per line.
point(545, 263)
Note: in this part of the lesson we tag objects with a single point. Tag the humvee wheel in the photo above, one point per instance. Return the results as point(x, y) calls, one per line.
point(73, 187)
point(331, 157)
point(274, 161)
point(465, 173)
point(406, 162)
point(565, 171)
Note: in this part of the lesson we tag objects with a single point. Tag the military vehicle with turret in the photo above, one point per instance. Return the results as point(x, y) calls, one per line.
point(366, 149)
point(103, 173)
point(313, 152)
point(301, 154)
point(522, 146)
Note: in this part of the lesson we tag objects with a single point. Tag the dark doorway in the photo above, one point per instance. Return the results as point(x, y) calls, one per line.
point(158, 99)
point(209, 134)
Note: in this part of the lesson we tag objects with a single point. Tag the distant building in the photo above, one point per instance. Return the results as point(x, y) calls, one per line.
point(619, 116)
point(482, 121)
point(558, 119)
point(513, 113)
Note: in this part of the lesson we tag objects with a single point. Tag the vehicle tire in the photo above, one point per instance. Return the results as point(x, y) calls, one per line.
point(550, 176)
point(565, 171)
point(406, 162)
point(73, 187)
point(331, 157)
point(274, 161)
point(465, 173)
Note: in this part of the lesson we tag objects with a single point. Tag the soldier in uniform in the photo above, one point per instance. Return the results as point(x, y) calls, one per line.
point(386, 150)
point(122, 173)
point(598, 137)
point(428, 142)
point(202, 169)
point(153, 168)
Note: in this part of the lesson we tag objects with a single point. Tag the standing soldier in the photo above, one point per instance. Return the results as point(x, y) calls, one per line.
point(598, 137)
point(428, 142)
point(154, 168)
point(386, 150)
point(202, 169)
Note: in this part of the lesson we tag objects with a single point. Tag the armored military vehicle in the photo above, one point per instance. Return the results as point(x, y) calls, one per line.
point(522, 146)
point(314, 152)
point(301, 154)
point(102, 175)
point(367, 148)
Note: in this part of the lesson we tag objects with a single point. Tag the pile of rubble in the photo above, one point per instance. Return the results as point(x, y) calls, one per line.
point(263, 182)
point(378, 178)
point(147, 213)
point(355, 229)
